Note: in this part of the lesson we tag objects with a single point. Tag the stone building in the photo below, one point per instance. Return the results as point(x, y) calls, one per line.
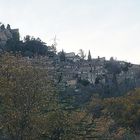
point(6, 34)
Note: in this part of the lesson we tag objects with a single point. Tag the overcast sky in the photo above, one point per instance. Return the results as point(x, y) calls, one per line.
point(106, 27)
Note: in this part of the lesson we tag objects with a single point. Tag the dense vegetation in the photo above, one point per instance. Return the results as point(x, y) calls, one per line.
point(30, 108)
point(27, 96)
point(28, 47)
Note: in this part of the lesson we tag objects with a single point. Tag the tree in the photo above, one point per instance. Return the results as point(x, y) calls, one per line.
point(27, 38)
point(89, 56)
point(27, 99)
point(2, 27)
point(34, 46)
point(82, 54)
point(53, 49)
point(13, 45)
point(8, 27)
point(62, 56)
point(30, 46)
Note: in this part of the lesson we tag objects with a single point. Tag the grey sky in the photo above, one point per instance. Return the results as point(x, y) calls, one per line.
point(106, 27)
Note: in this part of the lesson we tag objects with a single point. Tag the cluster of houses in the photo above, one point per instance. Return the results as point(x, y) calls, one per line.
point(74, 67)
point(93, 71)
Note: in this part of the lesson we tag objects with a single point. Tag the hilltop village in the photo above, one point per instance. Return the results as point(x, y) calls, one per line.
point(45, 94)
point(95, 71)
point(70, 68)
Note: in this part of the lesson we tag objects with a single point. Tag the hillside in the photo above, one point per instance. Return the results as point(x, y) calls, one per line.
point(74, 71)
point(50, 95)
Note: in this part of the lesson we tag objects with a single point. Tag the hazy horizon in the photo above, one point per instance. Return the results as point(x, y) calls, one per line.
point(106, 28)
